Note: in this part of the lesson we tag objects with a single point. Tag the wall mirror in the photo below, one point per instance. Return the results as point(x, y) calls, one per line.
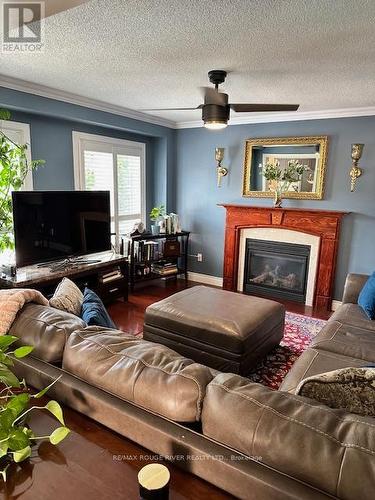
point(310, 152)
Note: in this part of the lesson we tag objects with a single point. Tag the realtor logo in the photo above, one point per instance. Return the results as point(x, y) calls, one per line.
point(23, 26)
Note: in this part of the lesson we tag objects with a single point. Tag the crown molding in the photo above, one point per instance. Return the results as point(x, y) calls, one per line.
point(60, 95)
point(289, 116)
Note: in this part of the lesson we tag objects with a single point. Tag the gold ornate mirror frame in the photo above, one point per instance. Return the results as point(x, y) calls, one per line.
point(322, 141)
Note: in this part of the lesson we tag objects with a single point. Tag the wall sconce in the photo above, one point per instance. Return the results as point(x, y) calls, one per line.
point(220, 170)
point(355, 171)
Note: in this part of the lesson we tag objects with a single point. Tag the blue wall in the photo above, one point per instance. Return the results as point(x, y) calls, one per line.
point(181, 171)
point(197, 195)
point(51, 125)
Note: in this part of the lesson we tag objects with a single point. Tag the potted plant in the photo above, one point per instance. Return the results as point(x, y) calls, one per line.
point(280, 179)
point(14, 166)
point(155, 215)
point(16, 403)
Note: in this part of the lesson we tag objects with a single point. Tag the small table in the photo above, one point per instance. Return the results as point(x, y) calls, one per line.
point(92, 463)
point(45, 277)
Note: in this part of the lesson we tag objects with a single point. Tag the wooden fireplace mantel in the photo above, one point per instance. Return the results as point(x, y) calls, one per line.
point(322, 223)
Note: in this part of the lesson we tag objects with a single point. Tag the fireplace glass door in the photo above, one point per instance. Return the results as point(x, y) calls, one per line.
point(275, 269)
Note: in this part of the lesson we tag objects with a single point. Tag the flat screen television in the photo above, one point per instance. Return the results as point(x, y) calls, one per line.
point(52, 225)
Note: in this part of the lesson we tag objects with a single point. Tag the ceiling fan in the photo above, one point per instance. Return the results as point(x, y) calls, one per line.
point(216, 109)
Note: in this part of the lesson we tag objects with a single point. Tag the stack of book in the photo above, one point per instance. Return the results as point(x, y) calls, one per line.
point(164, 268)
point(113, 275)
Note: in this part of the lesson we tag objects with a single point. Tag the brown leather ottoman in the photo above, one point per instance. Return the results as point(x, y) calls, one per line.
point(225, 330)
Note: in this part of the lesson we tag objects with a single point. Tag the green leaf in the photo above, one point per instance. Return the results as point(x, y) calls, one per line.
point(4, 114)
point(18, 403)
point(18, 440)
point(20, 455)
point(29, 433)
point(5, 359)
point(43, 391)
point(7, 417)
point(23, 351)
point(55, 409)
point(6, 341)
point(7, 377)
point(59, 434)
point(3, 448)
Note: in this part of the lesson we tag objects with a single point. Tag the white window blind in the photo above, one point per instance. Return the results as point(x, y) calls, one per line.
point(104, 163)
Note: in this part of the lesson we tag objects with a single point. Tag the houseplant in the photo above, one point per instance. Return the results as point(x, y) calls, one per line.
point(16, 403)
point(14, 167)
point(155, 215)
point(280, 179)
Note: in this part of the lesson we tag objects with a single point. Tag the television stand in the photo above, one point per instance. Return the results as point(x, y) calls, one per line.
point(67, 263)
point(104, 272)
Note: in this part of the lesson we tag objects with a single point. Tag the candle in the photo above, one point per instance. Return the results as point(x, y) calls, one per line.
point(153, 482)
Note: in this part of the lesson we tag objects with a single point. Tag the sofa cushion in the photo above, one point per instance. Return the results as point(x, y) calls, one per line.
point(366, 297)
point(347, 340)
point(93, 311)
point(351, 389)
point(353, 314)
point(326, 448)
point(150, 375)
point(67, 297)
point(315, 361)
point(45, 328)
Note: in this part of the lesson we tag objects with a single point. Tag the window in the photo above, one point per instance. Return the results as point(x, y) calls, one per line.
point(116, 165)
point(20, 134)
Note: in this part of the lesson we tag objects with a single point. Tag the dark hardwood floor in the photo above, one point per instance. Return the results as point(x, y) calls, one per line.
point(128, 316)
point(92, 463)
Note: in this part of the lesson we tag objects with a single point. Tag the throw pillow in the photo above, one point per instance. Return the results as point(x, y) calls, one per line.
point(366, 298)
point(67, 297)
point(349, 389)
point(93, 311)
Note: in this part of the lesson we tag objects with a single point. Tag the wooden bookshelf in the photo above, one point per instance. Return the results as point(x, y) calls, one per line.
point(147, 253)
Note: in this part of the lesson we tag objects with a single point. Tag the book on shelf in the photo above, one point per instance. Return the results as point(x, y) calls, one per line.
point(170, 224)
point(164, 268)
point(112, 275)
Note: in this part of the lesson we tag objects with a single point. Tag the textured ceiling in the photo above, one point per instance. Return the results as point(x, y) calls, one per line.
point(156, 53)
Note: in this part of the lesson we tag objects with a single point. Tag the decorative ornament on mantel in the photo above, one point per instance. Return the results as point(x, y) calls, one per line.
point(281, 180)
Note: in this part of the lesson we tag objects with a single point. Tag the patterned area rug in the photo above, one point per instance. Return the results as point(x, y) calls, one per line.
point(299, 333)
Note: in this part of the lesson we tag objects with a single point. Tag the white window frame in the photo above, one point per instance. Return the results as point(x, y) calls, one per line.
point(7, 126)
point(114, 146)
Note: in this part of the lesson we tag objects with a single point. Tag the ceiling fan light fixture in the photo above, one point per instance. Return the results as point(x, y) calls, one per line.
point(215, 125)
point(214, 116)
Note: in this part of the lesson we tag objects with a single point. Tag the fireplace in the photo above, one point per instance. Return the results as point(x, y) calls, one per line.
point(275, 269)
point(318, 229)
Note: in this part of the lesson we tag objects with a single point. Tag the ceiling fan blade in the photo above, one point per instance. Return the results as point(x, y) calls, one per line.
point(170, 109)
point(243, 108)
point(212, 96)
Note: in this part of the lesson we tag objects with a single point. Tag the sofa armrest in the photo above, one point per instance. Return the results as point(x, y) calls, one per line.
point(325, 448)
point(353, 286)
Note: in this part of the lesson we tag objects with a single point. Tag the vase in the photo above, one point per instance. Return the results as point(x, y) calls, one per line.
point(155, 229)
point(277, 199)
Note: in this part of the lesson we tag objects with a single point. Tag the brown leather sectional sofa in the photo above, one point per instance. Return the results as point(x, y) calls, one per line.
point(251, 441)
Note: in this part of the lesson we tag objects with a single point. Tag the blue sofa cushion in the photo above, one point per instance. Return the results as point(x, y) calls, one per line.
point(366, 298)
point(93, 311)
